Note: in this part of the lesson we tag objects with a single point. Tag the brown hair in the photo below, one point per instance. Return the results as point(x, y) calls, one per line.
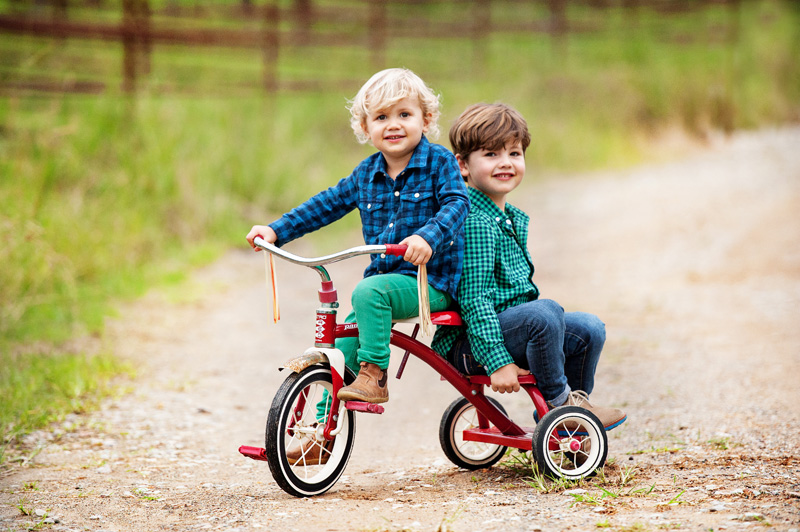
point(486, 126)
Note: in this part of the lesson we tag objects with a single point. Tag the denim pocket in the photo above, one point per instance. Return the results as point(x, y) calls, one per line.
point(461, 358)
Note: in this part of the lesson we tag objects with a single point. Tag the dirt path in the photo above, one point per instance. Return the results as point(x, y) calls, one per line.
point(695, 268)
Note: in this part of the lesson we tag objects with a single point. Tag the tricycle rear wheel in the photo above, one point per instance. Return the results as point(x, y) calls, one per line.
point(569, 442)
point(458, 417)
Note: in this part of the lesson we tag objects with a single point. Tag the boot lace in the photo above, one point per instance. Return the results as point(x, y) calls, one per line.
point(578, 398)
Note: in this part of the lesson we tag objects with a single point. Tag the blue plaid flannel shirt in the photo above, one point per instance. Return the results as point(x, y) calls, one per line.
point(428, 199)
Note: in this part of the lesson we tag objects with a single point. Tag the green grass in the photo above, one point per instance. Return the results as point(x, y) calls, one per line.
point(104, 197)
point(39, 388)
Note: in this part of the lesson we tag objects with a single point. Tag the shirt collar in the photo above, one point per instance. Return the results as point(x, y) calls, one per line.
point(482, 203)
point(419, 159)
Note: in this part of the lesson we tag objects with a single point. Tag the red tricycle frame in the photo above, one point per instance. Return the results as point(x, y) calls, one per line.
point(310, 432)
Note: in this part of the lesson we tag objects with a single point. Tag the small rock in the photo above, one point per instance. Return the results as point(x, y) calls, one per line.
point(95, 517)
point(752, 516)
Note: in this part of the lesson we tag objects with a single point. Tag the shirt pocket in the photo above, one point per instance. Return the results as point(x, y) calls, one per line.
point(373, 217)
point(416, 208)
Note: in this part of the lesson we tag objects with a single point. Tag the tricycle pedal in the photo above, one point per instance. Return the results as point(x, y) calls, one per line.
point(256, 453)
point(362, 406)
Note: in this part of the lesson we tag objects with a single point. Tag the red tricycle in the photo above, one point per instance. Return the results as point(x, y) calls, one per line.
point(475, 431)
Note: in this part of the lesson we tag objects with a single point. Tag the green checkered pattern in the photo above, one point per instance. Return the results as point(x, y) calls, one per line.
point(497, 275)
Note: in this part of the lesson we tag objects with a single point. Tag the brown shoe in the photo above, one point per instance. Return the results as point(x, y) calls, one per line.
point(312, 452)
point(609, 417)
point(369, 386)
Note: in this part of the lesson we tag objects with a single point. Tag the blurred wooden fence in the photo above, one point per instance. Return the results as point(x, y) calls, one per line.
point(276, 25)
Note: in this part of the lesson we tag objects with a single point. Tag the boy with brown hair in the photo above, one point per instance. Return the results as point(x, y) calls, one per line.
point(509, 330)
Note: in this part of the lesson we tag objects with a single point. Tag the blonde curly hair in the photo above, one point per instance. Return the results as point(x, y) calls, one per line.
point(385, 89)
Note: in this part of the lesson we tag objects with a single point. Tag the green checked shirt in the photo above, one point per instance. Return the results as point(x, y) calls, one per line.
point(497, 275)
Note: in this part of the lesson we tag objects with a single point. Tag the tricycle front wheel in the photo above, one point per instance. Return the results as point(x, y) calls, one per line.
point(301, 460)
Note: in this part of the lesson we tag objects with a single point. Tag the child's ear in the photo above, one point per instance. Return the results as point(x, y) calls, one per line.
point(365, 131)
point(426, 122)
point(463, 166)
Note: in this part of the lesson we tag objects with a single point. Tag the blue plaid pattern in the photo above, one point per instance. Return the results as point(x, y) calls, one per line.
point(428, 199)
point(498, 274)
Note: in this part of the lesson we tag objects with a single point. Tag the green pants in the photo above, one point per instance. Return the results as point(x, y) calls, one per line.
point(377, 300)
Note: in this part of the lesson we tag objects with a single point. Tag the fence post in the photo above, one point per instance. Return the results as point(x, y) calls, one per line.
point(136, 42)
point(128, 47)
point(303, 15)
point(145, 37)
point(271, 46)
point(376, 30)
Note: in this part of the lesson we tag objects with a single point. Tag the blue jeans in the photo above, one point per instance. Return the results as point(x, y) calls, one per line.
point(560, 349)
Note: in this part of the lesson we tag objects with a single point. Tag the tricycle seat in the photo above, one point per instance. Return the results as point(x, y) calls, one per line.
point(447, 317)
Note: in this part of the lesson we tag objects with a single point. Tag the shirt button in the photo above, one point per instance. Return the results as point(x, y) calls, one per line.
point(391, 225)
point(396, 192)
point(508, 221)
point(497, 219)
point(416, 195)
point(369, 205)
point(383, 255)
point(451, 242)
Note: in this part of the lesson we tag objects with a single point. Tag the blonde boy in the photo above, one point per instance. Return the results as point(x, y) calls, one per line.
point(410, 192)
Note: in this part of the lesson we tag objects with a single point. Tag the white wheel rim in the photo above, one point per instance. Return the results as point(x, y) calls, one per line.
point(559, 458)
point(304, 429)
point(472, 451)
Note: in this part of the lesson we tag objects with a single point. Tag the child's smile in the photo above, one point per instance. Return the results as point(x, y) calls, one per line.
point(495, 172)
point(397, 131)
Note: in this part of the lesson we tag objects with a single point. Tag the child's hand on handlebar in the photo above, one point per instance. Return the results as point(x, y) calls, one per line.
point(264, 231)
point(506, 379)
point(418, 251)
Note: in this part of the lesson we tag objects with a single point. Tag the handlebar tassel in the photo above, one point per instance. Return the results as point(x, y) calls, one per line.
point(272, 281)
point(425, 323)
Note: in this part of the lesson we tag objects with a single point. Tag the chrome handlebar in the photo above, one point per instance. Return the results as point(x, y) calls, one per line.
point(318, 263)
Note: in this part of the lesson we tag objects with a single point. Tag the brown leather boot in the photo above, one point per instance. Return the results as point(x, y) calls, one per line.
point(369, 386)
point(609, 417)
point(312, 452)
